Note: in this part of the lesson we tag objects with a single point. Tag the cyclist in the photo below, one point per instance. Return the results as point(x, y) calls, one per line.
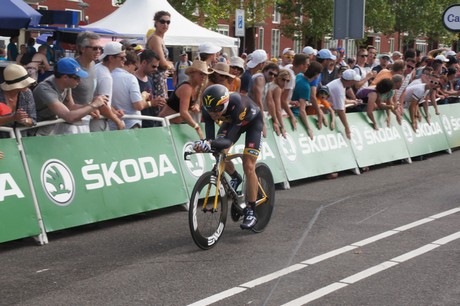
point(239, 114)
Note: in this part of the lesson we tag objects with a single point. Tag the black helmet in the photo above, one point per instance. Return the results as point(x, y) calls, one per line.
point(215, 98)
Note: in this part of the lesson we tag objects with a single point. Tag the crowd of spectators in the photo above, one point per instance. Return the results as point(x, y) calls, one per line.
point(96, 90)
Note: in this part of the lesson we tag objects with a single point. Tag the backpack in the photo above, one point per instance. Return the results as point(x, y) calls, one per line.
point(26, 58)
point(176, 66)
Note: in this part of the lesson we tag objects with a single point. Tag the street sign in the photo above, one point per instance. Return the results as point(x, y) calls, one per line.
point(451, 18)
point(349, 19)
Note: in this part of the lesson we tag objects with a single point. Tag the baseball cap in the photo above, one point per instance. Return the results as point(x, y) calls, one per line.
point(326, 54)
point(70, 66)
point(111, 48)
point(309, 50)
point(397, 53)
point(350, 75)
point(183, 53)
point(208, 48)
point(384, 55)
point(286, 50)
point(441, 58)
point(257, 57)
point(451, 53)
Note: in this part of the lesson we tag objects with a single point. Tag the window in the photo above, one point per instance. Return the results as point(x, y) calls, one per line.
point(377, 44)
point(276, 14)
point(223, 29)
point(275, 50)
point(80, 13)
point(420, 44)
point(261, 38)
point(298, 42)
point(392, 45)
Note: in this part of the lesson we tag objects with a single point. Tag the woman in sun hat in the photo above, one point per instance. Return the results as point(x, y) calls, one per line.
point(185, 98)
point(221, 75)
point(17, 106)
point(236, 68)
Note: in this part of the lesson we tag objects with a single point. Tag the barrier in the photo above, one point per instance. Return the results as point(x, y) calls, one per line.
point(372, 147)
point(450, 118)
point(329, 151)
point(18, 218)
point(85, 178)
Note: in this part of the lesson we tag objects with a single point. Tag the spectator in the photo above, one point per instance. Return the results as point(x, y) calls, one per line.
point(237, 69)
point(351, 62)
point(17, 106)
point(89, 50)
point(286, 57)
point(12, 49)
point(384, 62)
point(302, 92)
point(310, 52)
point(449, 91)
point(327, 60)
point(221, 75)
point(113, 57)
point(362, 70)
point(149, 62)
point(184, 99)
point(31, 46)
point(126, 94)
point(53, 99)
point(321, 96)
point(132, 62)
point(256, 63)
point(340, 62)
point(421, 93)
point(274, 103)
point(337, 95)
point(409, 76)
point(39, 63)
point(207, 52)
point(396, 56)
point(22, 51)
point(396, 68)
point(155, 42)
point(372, 55)
point(49, 49)
point(179, 69)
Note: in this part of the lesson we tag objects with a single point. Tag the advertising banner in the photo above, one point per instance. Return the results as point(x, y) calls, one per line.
point(85, 178)
point(18, 218)
point(302, 157)
point(372, 147)
point(184, 137)
point(450, 119)
point(428, 138)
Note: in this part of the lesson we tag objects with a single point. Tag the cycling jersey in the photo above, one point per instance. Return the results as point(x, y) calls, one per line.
point(241, 115)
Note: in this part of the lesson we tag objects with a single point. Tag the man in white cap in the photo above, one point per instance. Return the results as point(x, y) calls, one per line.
point(337, 89)
point(310, 52)
point(113, 57)
point(179, 69)
point(256, 63)
point(286, 57)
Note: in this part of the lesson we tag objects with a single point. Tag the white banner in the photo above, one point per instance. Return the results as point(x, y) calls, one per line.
point(239, 23)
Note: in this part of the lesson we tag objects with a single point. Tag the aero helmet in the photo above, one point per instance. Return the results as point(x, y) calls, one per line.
point(215, 98)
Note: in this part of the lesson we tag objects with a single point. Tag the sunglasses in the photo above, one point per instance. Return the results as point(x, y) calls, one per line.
point(410, 67)
point(363, 55)
point(97, 48)
point(73, 76)
point(285, 80)
point(435, 83)
point(162, 21)
point(273, 73)
point(155, 66)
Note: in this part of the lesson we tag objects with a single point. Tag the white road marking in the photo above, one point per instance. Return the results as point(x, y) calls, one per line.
point(371, 271)
point(328, 289)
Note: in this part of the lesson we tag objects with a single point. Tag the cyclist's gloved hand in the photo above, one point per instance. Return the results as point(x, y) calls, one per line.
point(202, 146)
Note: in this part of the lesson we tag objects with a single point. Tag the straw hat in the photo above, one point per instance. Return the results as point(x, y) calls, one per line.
point(223, 69)
point(16, 77)
point(200, 66)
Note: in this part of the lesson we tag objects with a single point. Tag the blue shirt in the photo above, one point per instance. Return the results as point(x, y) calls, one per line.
point(301, 91)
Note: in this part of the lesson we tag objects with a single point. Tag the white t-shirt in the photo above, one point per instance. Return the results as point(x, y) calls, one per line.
point(337, 94)
point(415, 92)
point(362, 72)
point(104, 82)
point(125, 92)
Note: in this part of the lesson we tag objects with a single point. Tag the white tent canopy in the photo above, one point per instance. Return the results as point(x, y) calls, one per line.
point(135, 18)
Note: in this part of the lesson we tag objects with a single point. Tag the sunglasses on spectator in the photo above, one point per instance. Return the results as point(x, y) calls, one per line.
point(364, 55)
point(434, 82)
point(273, 73)
point(410, 67)
point(162, 21)
point(73, 76)
point(285, 80)
point(94, 48)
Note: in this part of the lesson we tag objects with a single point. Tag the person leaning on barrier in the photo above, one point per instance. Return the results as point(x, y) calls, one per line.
point(185, 98)
point(17, 106)
point(53, 99)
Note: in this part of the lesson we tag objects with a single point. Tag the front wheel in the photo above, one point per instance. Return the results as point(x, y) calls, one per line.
point(264, 210)
point(206, 223)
